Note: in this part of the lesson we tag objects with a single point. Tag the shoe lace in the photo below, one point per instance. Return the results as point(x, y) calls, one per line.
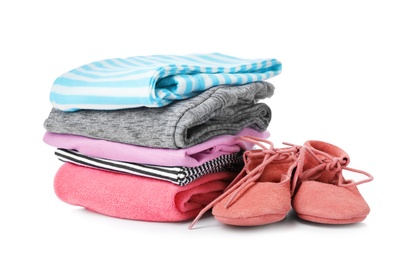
point(247, 178)
point(326, 162)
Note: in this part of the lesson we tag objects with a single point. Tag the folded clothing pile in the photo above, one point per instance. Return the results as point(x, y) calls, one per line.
point(156, 138)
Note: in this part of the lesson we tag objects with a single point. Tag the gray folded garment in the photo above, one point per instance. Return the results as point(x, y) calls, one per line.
point(219, 110)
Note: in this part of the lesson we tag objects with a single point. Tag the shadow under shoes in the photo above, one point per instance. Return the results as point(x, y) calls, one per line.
point(321, 194)
point(261, 192)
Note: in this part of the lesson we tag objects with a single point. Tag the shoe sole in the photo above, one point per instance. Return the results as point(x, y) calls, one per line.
point(253, 221)
point(330, 221)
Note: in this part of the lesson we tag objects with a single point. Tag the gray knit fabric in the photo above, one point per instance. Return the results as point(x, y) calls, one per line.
point(219, 110)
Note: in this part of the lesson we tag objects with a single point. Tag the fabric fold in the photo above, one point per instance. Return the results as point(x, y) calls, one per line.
point(188, 157)
point(175, 174)
point(217, 111)
point(153, 81)
point(135, 197)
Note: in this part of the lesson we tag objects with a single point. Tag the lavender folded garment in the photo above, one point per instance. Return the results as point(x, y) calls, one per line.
point(134, 197)
point(189, 157)
point(219, 110)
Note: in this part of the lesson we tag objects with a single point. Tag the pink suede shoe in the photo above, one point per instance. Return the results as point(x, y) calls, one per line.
point(261, 192)
point(320, 192)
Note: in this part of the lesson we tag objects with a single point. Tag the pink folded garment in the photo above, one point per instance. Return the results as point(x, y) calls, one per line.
point(189, 157)
point(135, 197)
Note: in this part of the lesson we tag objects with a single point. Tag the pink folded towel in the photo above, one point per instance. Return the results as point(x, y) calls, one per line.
point(189, 157)
point(135, 197)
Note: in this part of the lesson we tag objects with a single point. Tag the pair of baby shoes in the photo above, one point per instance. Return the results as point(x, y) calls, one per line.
point(307, 178)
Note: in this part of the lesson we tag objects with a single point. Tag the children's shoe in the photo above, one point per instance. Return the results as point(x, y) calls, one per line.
point(320, 192)
point(261, 192)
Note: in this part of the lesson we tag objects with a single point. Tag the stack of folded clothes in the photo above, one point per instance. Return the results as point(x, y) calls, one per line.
point(156, 138)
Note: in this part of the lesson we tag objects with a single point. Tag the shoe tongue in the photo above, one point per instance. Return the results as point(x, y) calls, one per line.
point(310, 161)
point(322, 175)
point(327, 148)
point(324, 152)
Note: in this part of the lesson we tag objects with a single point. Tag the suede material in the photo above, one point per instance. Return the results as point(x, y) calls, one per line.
point(279, 172)
point(320, 199)
point(328, 148)
point(263, 203)
point(135, 197)
point(327, 203)
point(267, 201)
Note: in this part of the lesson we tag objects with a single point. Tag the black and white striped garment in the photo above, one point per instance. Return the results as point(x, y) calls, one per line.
point(177, 175)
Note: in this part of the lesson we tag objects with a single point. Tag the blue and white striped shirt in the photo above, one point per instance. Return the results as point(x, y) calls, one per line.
point(153, 81)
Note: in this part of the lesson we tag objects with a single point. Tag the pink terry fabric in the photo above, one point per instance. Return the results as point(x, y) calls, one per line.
point(188, 157)
point(135, 197)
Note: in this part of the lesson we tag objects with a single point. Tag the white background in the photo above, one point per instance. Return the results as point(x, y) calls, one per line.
point(343, 81)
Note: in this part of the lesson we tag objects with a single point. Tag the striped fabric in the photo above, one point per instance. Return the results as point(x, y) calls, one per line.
point(177, 175)
point(153, 81)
